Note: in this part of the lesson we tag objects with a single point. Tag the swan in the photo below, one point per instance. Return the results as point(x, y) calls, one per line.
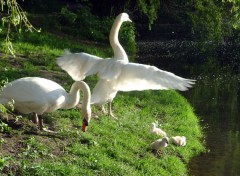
point(118, 74)
point(39, 95)
point(119, 54)
point(118, 51)
point(157, 131)
point(179, 140)
point(160, 143)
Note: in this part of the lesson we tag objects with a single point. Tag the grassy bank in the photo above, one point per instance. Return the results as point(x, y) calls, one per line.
point(109, 147)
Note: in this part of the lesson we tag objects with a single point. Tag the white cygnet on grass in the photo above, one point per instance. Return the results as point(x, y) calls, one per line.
point(157, 131)
point(179, 140)
point(160, 143)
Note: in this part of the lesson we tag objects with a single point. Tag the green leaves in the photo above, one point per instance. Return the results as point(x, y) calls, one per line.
point(214, 21)
point(150, 9)
point(14, 16)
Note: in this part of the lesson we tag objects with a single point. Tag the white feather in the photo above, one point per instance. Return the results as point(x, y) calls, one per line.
point(117, 74)
point(157, 131)
point(40, 95)
point(179, 140)
point(160, 143)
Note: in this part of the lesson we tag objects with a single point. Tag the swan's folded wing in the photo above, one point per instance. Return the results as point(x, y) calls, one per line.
point(79, 65)
point(142, 77)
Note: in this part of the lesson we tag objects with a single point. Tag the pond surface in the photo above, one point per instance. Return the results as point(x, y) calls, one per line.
point(216, 100)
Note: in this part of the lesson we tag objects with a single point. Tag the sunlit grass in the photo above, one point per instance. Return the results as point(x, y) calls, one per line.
point(110, 146)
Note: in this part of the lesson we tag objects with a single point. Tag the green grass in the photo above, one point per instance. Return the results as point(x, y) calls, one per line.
point(109, 147)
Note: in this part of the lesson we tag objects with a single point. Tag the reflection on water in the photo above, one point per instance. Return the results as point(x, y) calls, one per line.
point(217, 102)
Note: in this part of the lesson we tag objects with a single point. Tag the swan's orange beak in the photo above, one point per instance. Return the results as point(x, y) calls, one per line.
point(84, 125)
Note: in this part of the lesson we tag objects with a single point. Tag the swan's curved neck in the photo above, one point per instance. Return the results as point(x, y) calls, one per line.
point(119, 52)
point(74, 97)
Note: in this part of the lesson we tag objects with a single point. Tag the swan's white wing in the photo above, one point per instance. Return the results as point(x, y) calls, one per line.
point(110, 69)
point(79, 65)
point(142, 77)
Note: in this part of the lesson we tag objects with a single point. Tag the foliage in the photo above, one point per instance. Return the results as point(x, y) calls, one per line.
point(93, 28)
point(150, 9)
point(16, 17)
point(214, 20)
point(34, 149)
point(4, 128)
point(4, 161)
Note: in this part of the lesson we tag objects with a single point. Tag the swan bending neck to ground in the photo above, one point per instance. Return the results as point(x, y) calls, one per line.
point(39, 95)
point(119, 52)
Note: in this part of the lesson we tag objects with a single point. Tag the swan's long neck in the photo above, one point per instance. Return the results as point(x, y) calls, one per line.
point(86, 107)
point(119, 52)
point(74, 97)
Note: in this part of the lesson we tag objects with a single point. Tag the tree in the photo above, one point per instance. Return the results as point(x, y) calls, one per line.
point(214, 20)
point(12, 15)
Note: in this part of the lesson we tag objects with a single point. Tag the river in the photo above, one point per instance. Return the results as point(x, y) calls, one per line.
point(216, 100)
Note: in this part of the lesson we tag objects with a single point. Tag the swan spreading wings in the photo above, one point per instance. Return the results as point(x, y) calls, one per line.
point(118, 75)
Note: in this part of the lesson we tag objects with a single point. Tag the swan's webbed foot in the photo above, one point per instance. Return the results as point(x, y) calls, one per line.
point(111, 115)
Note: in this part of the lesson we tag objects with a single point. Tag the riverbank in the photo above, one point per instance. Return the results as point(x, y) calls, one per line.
point(110, 146)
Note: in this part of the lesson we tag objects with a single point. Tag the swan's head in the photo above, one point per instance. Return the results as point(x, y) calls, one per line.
point(124, 17)
point(165, 139)
point(86, 119)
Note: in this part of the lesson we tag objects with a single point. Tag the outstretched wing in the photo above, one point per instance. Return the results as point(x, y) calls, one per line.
point(79, 65)
point(123, 76)
point(135, 76)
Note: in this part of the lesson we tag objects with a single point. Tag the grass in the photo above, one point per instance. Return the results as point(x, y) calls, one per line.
point(109, 147)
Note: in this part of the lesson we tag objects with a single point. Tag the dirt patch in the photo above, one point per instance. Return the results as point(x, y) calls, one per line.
point(14, 134)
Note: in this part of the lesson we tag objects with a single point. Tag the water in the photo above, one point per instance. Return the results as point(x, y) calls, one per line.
point(216, 100)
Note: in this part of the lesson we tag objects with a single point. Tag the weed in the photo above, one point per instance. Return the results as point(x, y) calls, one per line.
point(34, 149)
point(4, 128)
point(1, 143)
point(4, 162)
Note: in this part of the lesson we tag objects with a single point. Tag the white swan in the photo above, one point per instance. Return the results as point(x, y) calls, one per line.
point(118, 51)
point(40, 95)
point(160, 143)
point(179, 140)
point(157, 131)
point(119, 54)
point(118, 75)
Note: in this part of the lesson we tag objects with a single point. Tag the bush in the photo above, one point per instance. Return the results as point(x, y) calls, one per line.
point(84, 24)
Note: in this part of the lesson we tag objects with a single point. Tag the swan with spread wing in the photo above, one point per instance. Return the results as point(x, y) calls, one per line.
point(89, 62)
point(117, 74)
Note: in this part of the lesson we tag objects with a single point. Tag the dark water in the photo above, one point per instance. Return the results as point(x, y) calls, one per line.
point(216, 100)
point(217, 103)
